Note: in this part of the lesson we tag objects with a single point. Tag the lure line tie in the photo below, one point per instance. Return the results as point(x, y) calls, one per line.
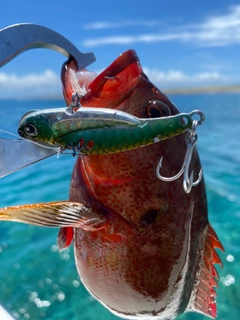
point(75, 105)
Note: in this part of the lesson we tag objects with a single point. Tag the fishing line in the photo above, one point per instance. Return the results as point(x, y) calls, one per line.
point(43, 145)
point(30, 141)
point(10, 133)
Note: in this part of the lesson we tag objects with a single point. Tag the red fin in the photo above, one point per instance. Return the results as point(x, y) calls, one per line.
point(65, 237)
point(203, 299)
point(214, 239)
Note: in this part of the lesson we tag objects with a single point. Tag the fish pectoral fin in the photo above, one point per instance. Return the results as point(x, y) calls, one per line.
point(203, 298)
point(54, 214)
point(64, 238)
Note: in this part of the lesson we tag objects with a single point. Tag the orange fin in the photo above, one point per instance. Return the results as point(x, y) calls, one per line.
point(65, 237)
point(55, 214)
point(203, 298)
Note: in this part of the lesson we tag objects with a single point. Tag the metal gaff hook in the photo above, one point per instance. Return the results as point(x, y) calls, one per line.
point(191, 139)
point(18, 38)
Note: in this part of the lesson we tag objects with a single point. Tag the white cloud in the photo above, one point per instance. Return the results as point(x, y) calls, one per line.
point(47, 84)
point(37, 85)
point(221, 30)
point(121, 24)
point(180, 79)
point(144, 38)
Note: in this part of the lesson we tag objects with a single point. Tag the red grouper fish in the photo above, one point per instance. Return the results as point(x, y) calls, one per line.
point(143, 247)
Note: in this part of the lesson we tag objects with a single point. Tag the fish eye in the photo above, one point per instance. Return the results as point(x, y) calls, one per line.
point(31, 130)
point(157, 109)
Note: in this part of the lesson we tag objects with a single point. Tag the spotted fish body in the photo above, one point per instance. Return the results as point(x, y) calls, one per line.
point(154, 257)
point(143, 247)
point(99, 130)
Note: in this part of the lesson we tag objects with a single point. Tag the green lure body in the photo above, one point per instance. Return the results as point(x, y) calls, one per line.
point(99, 130)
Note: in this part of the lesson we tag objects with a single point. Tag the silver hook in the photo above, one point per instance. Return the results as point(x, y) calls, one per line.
point(75, 105)
point(191, 139)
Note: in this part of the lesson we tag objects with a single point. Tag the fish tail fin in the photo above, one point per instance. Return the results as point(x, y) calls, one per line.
point(203, 298)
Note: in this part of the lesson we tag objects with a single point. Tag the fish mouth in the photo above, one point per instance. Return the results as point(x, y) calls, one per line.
point(121, 80)
point(108, 88)
point(114, 69)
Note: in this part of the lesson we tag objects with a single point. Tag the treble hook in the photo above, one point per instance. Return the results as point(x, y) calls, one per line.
point(191, 139)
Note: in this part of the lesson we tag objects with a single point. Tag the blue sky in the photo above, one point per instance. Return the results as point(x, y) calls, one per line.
point(180, 43)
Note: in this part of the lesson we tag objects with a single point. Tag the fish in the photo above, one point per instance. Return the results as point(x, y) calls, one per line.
point(99, 130)
point(144, 248)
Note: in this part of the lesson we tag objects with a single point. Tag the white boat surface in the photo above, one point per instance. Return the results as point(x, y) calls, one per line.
point(4, 315)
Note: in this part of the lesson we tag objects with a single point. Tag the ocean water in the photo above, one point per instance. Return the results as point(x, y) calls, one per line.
point(38, 282)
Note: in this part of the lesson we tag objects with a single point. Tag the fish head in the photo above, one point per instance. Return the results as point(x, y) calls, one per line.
point(122, 86)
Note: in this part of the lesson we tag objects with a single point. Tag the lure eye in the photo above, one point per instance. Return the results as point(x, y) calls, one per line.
point(31, 130)
point(157, 109)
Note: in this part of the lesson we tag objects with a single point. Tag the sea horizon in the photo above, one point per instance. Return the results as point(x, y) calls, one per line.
point(169, 91)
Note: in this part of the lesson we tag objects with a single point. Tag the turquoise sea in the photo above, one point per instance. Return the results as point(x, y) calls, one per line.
point(38, 282)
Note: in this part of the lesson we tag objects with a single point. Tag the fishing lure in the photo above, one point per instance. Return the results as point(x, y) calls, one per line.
point(100, 130)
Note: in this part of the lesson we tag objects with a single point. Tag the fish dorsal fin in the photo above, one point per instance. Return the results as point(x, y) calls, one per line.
point(203, 298)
